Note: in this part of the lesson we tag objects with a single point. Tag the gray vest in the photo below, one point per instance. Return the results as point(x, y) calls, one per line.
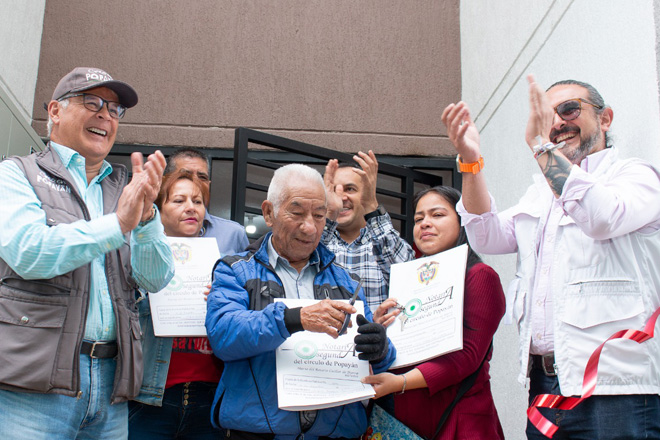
point(42, 322)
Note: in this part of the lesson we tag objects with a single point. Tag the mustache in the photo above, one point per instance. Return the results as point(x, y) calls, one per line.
point(554, 133)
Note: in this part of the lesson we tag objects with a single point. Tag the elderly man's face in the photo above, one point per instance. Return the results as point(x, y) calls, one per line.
point(91, 134)
point(299, 223)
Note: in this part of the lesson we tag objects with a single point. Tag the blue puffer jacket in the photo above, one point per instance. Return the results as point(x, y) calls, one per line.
point(245, 327)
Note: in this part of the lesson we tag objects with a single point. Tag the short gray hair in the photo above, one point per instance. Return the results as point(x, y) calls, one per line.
point(49, 126)
point(284, 177)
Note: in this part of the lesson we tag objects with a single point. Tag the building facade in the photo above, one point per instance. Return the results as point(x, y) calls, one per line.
point(343, 75)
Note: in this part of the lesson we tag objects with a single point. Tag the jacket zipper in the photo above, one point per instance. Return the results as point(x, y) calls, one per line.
point(87, 217)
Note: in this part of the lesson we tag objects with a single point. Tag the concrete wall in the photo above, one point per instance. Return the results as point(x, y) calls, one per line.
point(17, 137)
point(608, 43)
point(343, 74)
point(349, 75)
point(20, 40)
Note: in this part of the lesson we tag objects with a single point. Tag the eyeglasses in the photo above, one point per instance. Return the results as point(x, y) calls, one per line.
point(569, 110)
point(95, 104)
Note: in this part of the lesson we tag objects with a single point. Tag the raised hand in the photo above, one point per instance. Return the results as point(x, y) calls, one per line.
point(540, 115)
point(332, 191)
point(153, 169)
point(369, 176)
point(130, 207)
point(462, 132)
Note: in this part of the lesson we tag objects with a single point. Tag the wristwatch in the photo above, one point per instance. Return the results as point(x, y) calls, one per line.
point(151, 217)
point(473, 167)
point(380, 210)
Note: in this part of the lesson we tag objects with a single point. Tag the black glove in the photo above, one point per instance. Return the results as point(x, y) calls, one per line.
point(371, 341)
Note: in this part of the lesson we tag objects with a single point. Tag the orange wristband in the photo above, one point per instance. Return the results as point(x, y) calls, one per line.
point(473, 167)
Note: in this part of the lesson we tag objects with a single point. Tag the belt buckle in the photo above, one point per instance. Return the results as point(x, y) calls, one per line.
point(547, 363)
point(91, 352)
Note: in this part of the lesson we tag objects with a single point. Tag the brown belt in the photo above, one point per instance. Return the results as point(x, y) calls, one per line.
point(544, 362)
point(99, 350)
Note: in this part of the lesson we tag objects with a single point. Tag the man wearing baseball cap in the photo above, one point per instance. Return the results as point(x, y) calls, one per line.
point(76, 241)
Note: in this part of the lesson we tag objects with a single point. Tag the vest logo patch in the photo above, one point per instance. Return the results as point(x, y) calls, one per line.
point(52, 182)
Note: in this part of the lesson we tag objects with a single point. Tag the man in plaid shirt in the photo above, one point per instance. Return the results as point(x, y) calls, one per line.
point(362, 236)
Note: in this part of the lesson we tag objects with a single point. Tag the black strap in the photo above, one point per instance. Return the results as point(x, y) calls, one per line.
point(466, 384)
point(99, 350)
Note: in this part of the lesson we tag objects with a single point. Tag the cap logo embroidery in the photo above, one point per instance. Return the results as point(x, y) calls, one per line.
point(97, 75)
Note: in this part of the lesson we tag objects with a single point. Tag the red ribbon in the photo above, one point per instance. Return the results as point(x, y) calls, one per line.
point(544, 425)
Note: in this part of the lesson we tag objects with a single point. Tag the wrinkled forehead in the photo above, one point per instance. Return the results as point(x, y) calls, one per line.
point(196, 164)
point(307, 195)
point(564, 92)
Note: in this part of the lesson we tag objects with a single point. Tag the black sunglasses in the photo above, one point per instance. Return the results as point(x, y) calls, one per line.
point(569, 110)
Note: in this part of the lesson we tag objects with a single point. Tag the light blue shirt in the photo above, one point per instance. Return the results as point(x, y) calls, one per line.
point(36, 251)
point(231, 236)
point(296, 285)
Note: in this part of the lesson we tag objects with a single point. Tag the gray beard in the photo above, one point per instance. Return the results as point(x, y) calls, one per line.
point(584, 149)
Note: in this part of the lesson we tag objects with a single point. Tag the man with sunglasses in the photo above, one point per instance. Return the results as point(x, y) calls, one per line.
point(77, 241)
point(587, 235)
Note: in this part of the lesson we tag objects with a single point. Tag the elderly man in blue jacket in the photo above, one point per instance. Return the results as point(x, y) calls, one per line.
point(245, 326)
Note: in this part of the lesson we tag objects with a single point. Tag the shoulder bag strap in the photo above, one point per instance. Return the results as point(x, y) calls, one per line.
point(466, 384)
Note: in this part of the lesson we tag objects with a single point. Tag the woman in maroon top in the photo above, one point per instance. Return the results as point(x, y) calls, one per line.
point(431, 386)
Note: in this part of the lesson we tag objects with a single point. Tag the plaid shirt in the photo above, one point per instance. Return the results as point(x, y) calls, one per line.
point(377, 247)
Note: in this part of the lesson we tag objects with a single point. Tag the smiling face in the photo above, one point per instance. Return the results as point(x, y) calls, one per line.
point(91, 134)
point(436, 224)
point(351, 216)
point(299, 223)
point(585, 134)
point(183, 210)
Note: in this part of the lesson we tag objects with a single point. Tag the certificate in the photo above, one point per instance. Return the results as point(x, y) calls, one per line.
point(429, 292)
point(315, 371)
point(180, 309)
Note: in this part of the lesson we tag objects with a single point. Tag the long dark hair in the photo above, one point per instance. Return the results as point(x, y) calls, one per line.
point(452, 196)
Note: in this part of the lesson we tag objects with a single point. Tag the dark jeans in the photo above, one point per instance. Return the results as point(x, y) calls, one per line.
point(621, 417)
point(240, 435)
point(185, 414)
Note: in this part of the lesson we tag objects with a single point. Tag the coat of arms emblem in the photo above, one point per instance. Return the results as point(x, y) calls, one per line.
point(181, 252)
point(427, 271)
